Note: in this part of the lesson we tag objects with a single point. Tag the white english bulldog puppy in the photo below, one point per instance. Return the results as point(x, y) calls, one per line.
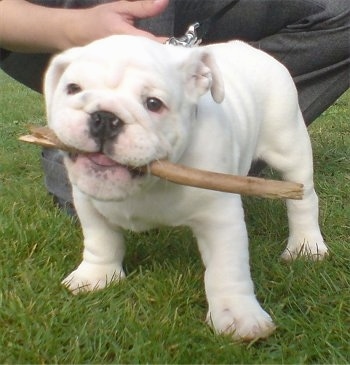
point(127, 101)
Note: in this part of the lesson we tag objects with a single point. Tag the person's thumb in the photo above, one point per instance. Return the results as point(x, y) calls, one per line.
point(144, 8)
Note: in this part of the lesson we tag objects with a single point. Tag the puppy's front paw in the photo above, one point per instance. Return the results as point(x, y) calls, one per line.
point(311, 246)
point(241, 317)
point(88, 277)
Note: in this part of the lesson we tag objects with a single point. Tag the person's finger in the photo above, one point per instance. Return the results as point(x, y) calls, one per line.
point(141, 9)
point(131, 30)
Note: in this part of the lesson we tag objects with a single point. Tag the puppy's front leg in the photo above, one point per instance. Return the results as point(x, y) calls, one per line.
point(103, 251)
point(223, 243)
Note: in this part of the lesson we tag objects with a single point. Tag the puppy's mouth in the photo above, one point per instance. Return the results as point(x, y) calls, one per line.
point(101, 162)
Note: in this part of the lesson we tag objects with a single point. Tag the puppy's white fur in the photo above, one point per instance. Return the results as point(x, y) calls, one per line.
point(250, 112)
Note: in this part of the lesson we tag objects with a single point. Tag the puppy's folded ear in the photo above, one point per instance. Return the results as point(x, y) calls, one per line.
point(202, 74)
point(57, 66)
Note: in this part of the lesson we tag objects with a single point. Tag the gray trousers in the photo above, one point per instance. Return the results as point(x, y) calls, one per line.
point(310, 37)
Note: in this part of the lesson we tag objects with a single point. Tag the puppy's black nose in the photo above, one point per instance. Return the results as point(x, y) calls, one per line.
point(104, 125)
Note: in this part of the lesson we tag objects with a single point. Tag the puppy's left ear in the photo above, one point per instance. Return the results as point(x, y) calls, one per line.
point(203, 74)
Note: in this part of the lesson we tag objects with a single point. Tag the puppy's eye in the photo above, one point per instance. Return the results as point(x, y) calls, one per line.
point(73, 89)
point(154, 104)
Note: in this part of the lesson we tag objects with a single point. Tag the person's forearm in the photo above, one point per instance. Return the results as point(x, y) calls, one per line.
point(26, 27)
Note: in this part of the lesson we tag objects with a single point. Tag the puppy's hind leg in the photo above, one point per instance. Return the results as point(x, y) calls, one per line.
point(289, 151)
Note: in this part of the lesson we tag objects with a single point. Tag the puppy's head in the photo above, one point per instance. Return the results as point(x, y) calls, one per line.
point(125, 101)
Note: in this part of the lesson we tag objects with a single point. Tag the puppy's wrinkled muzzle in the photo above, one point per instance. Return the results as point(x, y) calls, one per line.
point(104, 125)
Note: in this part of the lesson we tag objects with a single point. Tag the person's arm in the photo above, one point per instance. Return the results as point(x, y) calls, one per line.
point(26, 27)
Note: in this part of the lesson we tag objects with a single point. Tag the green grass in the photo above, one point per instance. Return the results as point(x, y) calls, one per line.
point(157, 314)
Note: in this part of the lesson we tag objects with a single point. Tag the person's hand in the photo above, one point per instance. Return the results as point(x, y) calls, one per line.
point(117, 17)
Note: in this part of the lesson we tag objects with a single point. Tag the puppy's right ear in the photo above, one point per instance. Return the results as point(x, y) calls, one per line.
point(202, 74)
point(56, 68)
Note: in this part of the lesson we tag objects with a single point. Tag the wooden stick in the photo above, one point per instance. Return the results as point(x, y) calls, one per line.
point(245, 185)
point(45, 137)
point(184, 175)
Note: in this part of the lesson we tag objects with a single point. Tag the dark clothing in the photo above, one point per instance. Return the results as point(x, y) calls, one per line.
point(310, 37)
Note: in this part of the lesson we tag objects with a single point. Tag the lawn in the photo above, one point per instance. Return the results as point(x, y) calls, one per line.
point(157, 314)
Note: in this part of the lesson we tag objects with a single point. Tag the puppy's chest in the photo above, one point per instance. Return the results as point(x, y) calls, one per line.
point(145, 213)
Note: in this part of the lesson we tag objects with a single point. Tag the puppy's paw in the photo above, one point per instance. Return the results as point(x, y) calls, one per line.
point(311, 247)
point(89, 277)
point(240, 317)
